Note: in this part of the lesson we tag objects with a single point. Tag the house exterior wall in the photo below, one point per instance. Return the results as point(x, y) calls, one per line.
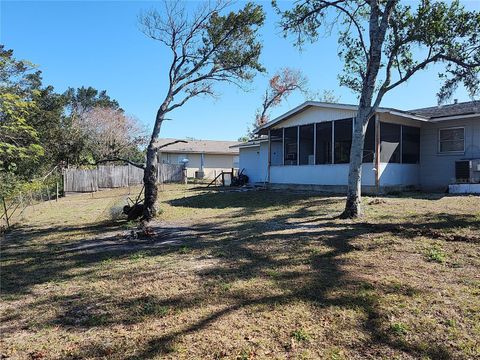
point(437, 170)
point(254, 161)
point(329, 175)
point(312, 115)
point(213, 163)
point(391, 175)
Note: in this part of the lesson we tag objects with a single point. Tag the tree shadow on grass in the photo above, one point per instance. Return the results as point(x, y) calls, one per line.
point(247, 200)
point(247, 250)
point(326, 274)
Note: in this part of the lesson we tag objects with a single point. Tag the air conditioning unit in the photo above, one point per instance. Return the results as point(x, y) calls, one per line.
point(467, 171)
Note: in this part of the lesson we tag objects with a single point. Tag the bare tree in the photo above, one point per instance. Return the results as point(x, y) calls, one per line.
point(110, 133)
point(210, 46)
point(281, 85)
point(383, 43)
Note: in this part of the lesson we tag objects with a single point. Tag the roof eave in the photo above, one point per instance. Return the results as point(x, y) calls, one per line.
point(301, 107)
point(307, 104)
point(199, 152)
point(454, 117)
point(402, 114)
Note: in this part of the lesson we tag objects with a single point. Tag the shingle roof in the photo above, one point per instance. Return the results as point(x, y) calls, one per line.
point(199, 146)
point(463, 108)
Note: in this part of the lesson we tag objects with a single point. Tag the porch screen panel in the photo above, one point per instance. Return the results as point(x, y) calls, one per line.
point(276, 147)
point(324, 143)
point(290, 149)
point(369, 144)
point(306, 145)
point(410, 145)
point(343, 140)
point(389, 143)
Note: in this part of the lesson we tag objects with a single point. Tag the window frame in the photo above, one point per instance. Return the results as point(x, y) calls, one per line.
point(439, 141)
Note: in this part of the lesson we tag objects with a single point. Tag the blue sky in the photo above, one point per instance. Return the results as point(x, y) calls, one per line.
point(93, 43)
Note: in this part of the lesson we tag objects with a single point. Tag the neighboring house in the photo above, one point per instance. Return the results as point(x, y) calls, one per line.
point(309, 146)
point(206, 158)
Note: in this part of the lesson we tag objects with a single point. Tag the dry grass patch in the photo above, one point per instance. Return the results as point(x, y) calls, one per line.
point(244, 275)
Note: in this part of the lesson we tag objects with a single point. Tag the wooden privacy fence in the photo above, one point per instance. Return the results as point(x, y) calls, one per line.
point(113, 176)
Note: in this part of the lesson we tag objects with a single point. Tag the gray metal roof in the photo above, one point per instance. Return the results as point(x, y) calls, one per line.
point(199, 146)
point(463, 108)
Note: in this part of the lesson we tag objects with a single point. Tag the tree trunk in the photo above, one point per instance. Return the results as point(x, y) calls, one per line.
point(365, 111)
point(354, 193)
point(150, 183)
point(150, 172)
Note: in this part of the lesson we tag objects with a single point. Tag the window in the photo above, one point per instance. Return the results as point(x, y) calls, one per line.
point(305, 150)
point(343, 140)
point(290, 149)
point(369, 144)
point(390, 143)
point(324, 143)
point(410, 145)
point(451, 140)
point(276, 147)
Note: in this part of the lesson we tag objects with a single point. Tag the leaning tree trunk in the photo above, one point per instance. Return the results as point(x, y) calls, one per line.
point(365, 111)
point(150, 183)
point(150, 172)
point(353, 207)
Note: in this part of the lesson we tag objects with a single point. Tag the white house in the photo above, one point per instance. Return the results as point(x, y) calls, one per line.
point(309, 147)
point(206, 158)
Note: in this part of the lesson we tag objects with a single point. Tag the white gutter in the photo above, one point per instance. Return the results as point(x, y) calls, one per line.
point(455, 117)
point(248, 146)
point(399, 113)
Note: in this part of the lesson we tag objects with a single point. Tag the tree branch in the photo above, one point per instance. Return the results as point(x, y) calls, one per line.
point(170, 143)
point(140, 166)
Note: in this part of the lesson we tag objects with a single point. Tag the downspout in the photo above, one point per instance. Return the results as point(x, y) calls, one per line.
point(377, 154)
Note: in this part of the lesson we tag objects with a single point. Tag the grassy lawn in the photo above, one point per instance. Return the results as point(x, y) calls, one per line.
point(244, 275)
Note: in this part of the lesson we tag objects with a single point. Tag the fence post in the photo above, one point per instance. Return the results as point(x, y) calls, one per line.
point(56, 194)
point(64, 175)
point(128, 178)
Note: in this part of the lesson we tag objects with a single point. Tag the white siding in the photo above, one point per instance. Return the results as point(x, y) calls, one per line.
point(336, 174)
point(399, 174)
point(254, 161)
